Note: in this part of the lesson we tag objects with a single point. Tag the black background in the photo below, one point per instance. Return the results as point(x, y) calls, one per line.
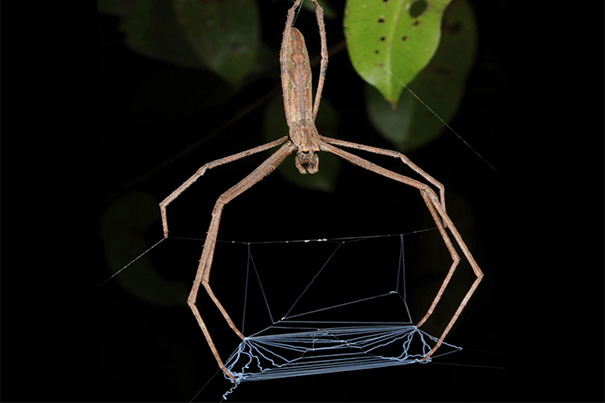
point(528, 109)
point(151, 353)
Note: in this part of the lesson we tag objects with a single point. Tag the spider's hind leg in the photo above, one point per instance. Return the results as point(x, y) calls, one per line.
point(429, 201)
point(441, 218)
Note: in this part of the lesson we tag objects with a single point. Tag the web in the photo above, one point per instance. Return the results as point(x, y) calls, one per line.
point(315, 306)
point(339, 320)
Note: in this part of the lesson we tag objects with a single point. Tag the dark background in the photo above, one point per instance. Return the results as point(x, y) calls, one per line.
point(149, 352)
point(528, 109)
point(157, 353)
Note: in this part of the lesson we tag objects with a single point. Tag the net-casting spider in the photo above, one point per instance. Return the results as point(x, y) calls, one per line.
point(304, 139)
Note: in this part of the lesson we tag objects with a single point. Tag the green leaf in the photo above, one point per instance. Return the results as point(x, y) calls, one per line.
point(153, 30)
point(225, 34)
point(440, 86)
point(222, 36)
point(392, 40)
point(275, 126)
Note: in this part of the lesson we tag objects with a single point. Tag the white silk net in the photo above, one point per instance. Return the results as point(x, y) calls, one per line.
point(326, 305)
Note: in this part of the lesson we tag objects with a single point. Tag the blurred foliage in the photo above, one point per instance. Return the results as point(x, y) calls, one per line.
point(222, 36)
point(391, 44)
point(123, 227)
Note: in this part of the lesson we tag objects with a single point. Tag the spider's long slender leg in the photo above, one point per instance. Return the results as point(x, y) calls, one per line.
point(437, 211)
point(372, 167)
point(323, 66)
point(203, 272)
point(453, 254)
point(394, 154)
point(204, 168)
point(475, 267)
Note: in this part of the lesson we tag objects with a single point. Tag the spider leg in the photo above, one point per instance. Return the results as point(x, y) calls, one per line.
point(319, 13)
point(441, 219)
point(203, 272)
point(453, 254)
point(204, 168)
point(394, 154)
point(432, 198)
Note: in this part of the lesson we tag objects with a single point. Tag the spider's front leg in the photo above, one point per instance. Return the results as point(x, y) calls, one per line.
point(202, 276)
point(394, 154)
point(200, 172)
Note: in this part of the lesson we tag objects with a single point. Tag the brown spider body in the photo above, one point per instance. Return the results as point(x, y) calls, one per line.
point(298, 102)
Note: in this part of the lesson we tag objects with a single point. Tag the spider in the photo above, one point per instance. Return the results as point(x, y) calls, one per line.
point(304, 139)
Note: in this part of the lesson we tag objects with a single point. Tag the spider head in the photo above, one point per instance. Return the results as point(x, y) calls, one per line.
point(305, 137)
point(307, 162)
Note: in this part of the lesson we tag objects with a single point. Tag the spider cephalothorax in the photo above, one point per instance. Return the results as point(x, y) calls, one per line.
point(305, 137)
